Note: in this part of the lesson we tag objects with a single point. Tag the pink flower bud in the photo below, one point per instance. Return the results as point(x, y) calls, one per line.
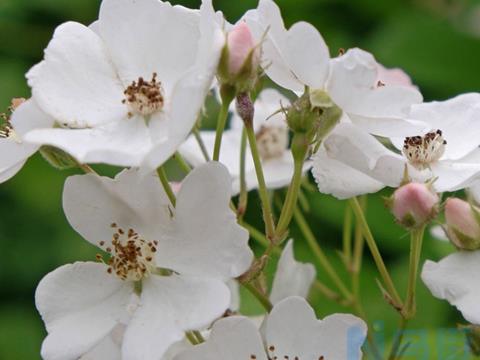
point(463, 228)
point(414, 204)
point(240, 45)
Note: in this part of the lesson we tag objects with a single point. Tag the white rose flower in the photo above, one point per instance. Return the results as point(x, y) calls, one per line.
point(454, 279)
point(272, 140)
point(353, 162)
point(290, 331)
point(176, 259)
point(128, 89)
point(299, 57)
point(14, 151)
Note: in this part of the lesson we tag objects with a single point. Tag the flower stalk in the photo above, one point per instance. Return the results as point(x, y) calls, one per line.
point(227, 93)
point(377, 257)
point(162, 175)
point(300, 145)
point(416, 240)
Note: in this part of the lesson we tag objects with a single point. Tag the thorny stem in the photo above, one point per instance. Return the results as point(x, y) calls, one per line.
point(262, 187)
point(166, 185)
point(377, 257)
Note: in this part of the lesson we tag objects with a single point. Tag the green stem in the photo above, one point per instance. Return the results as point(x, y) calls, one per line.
point(227, 99)
point(262, 187)
point(319, 254)
point(203, 148)
point(357, 259)
point(258, 236)
point(166, 185)
point(182, 163)
point(262, 299)
point(243, 198)
point(299, 150)
point(416, 240)
point(377, 257)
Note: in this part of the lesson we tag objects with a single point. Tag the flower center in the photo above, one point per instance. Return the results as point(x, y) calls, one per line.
point(272, 141)
point(144, 97)
point(132, 258)
point(421, 151)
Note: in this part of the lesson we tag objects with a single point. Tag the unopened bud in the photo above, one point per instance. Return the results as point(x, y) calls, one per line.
point(414, 204)
point(463, 228)
point(240, 60)
point(302, 117)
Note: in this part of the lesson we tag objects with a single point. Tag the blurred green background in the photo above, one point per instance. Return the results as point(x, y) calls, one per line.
point(436, 41)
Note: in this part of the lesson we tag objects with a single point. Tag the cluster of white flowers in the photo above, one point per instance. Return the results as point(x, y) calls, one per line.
point(129, 91)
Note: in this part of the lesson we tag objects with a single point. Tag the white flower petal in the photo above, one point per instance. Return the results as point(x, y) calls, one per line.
point(92, 203)
point(169, 307)
point(453, 176)
point(458, 120)
point(308, 55)
point(10, 171)
point(205, 237)
point(76, 83)
point(363, 152)
point(149, 36)
point(234, 287)
point(340, 180)
point(267, 19)
point(187, 100)
point(122, 143)
point(107, 349)
point(293, 330)
point(80, 305)
point(232, 338)
point(14, 151)
point(292, 277)
point(353, 87)
point(454, 279)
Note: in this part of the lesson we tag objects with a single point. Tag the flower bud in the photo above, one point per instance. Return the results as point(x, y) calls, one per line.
point(414, 204)
point(240, 60)
point(463, 228)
